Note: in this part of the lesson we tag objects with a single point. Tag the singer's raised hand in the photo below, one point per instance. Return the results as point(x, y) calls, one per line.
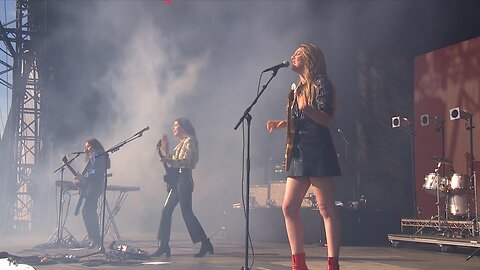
point(275, 124)
point(164, 144)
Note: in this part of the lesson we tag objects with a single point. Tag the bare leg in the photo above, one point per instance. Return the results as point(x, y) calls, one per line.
point(323, 189)
point(294, 193)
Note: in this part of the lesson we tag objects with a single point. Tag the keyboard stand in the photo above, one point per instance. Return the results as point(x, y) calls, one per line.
point(122, 196)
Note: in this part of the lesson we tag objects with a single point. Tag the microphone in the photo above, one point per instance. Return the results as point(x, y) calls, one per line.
point(277, 67)
point(77, 153)
point(143, 130)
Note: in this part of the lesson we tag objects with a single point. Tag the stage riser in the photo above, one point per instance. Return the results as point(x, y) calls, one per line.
point(420, 226)
point(440, 241)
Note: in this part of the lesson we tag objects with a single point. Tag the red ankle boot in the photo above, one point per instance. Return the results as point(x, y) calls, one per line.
point(333, 263)
point(298, 262)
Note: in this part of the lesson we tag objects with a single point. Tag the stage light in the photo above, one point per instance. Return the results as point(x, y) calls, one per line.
point(395, 121)
point(425, 120)
point(398, 121)
point(456, 113)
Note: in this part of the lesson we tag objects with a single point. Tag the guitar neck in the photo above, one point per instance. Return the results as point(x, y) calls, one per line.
point(75, 173)
point(160, 153)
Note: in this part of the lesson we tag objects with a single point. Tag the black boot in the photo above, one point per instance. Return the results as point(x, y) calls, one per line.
point(163, 249)
point(207, 247)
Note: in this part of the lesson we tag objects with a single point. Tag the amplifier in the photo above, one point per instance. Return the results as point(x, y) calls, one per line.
point(277, 191)
point(258, 195)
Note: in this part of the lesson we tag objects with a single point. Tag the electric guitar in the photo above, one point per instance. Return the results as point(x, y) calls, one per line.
point(171, 174)
point(290, 128)
point(82, 186)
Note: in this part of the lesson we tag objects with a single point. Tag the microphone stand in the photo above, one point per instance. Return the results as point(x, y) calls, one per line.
point(101, 249)
point(473, 177)
point(60, 224)
point(411, 133)
point(246, 115)
point(476, 213)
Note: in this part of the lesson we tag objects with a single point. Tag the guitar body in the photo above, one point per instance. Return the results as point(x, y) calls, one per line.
point(171, 174)
point(171, 178)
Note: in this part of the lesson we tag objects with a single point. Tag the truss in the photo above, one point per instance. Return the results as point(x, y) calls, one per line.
point(421, 225)
point(21, 142)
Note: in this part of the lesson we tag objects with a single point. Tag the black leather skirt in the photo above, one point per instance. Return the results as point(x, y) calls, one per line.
point(314, 153)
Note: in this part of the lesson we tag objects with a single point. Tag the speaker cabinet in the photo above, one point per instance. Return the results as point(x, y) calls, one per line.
point(258, 195)
point(277, 192)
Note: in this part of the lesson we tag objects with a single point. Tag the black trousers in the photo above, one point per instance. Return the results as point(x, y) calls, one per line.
point(89, 213)
point(181, 193)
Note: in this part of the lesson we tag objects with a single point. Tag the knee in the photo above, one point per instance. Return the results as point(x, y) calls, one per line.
point(290, 210)
point(327, 211)
point(187, 212)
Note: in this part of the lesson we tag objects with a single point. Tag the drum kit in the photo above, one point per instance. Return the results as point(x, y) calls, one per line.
point(454, 187)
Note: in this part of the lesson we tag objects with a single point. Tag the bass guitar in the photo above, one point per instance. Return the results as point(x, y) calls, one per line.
point(82, 186)
point(171, 174)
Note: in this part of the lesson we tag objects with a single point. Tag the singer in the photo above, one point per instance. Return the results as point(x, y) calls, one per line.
point(310, 157)
point(183, 160)
point(91, 185)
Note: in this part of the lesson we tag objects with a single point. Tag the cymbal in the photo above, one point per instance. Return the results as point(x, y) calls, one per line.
point(442, 160)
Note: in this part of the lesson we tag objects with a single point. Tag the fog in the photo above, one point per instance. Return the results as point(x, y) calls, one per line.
point(132, 65)
point(120, 66)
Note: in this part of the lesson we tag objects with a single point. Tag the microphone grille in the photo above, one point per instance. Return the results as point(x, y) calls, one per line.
point(286, 63)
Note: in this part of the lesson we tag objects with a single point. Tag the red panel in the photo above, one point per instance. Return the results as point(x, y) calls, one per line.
point(445, 79)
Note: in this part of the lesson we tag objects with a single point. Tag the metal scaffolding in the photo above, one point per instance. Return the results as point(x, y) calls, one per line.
point(21, 143)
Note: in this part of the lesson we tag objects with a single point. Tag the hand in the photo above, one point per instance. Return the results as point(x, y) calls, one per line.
point(275, 124)
point(302, 102)
point(271, 125)
point(164, 146)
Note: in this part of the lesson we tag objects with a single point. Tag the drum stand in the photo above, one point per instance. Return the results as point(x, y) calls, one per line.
point(437, 194)
point(441, 227)
point(475, 201)
point(442, 224)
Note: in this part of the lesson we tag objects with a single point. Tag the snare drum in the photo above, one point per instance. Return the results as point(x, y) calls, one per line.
point(458, 205)
point(458, 183)
point(430, 185)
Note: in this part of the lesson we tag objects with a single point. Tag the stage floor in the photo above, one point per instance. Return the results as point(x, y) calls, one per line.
point(230, 255)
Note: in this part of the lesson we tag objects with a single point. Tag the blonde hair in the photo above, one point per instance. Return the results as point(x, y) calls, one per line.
point(314, 68)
